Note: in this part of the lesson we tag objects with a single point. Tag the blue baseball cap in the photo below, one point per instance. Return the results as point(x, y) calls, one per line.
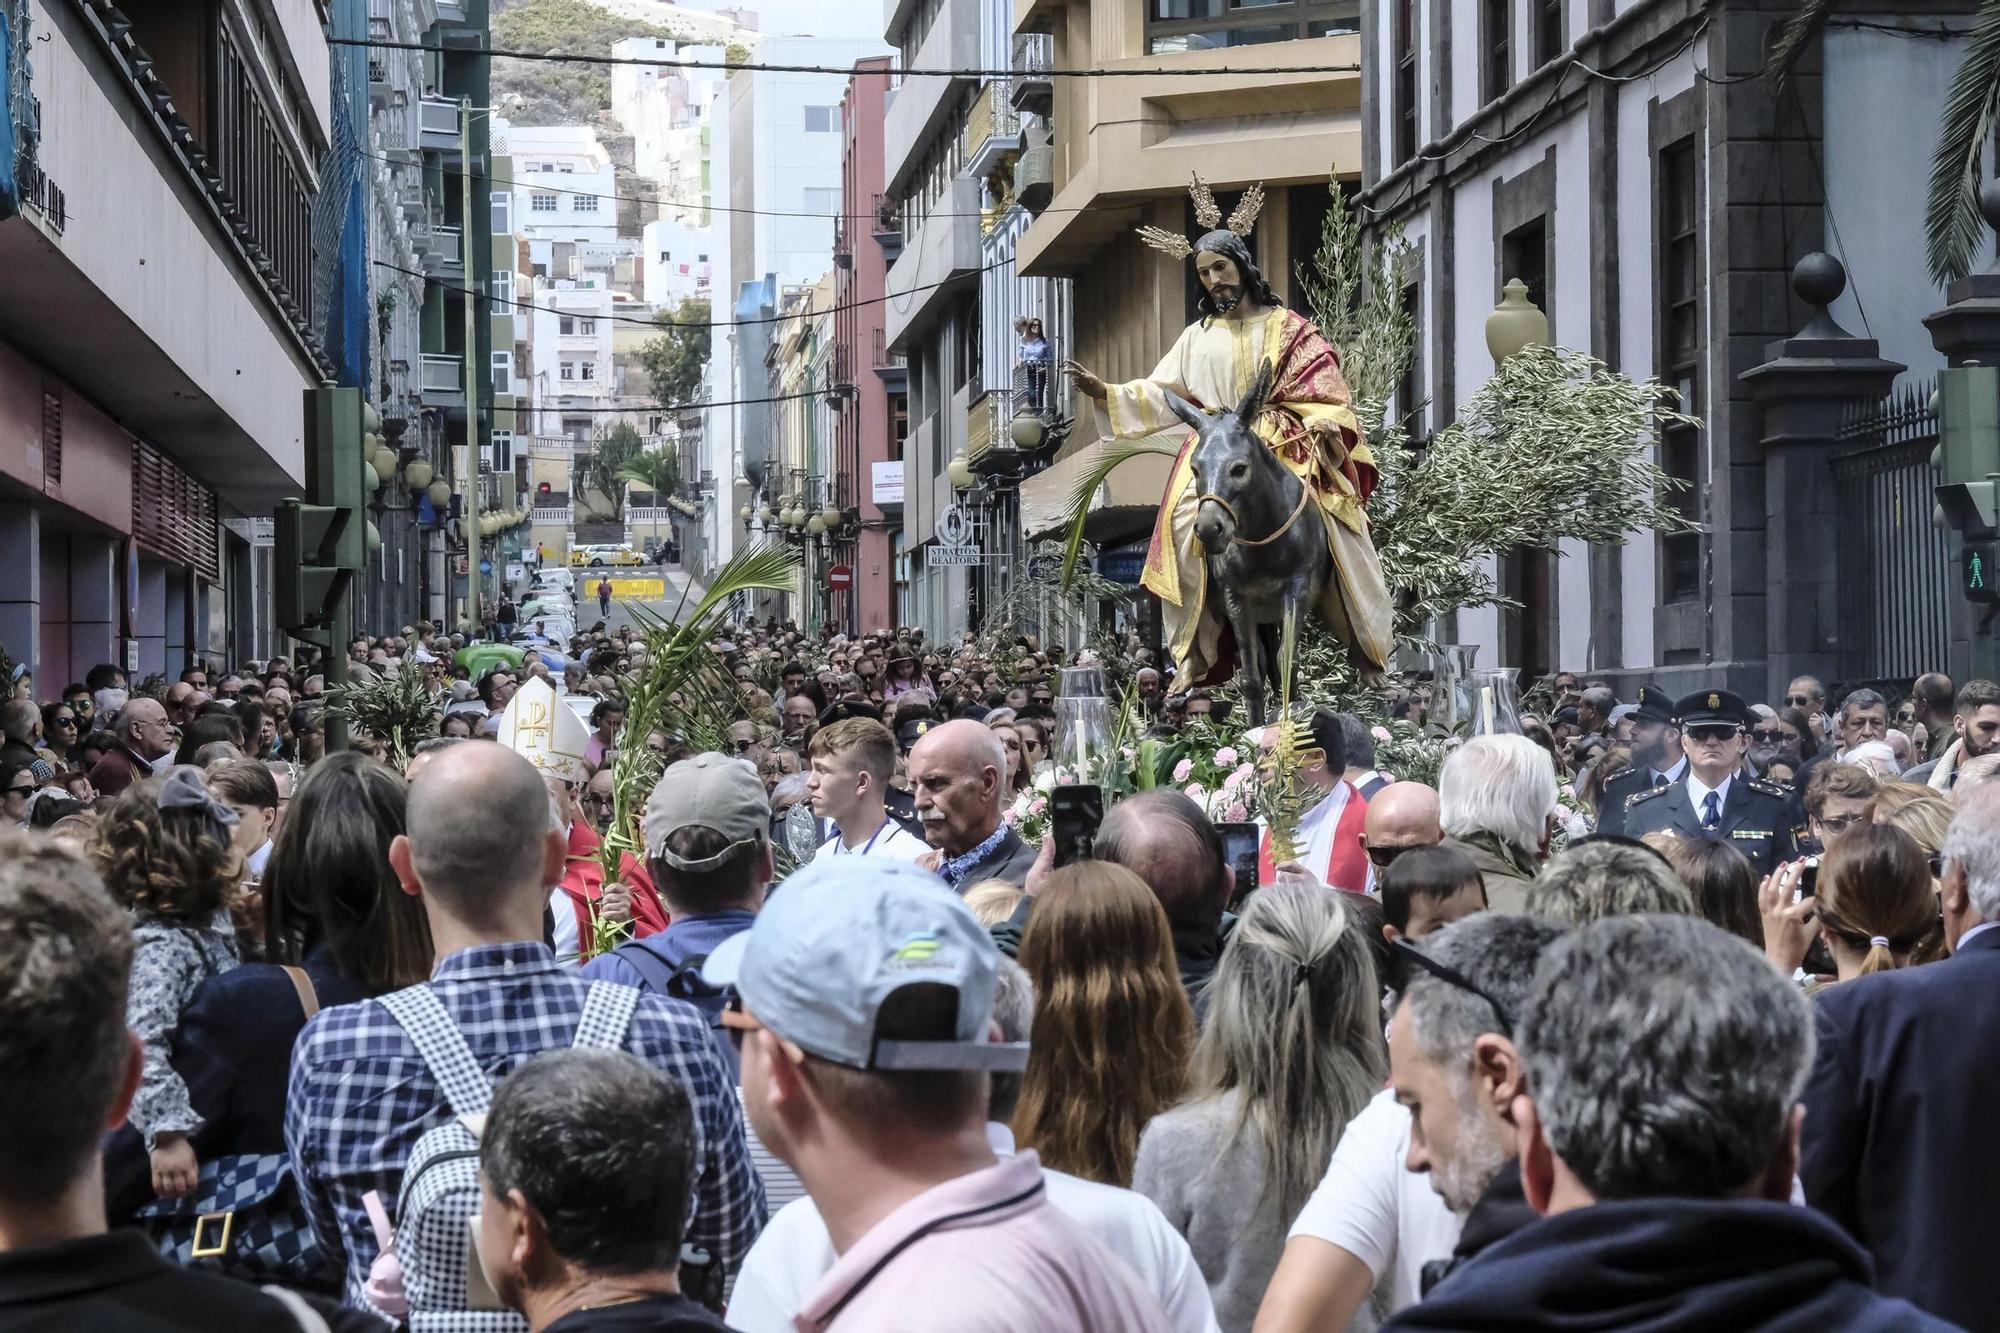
point(841, 936)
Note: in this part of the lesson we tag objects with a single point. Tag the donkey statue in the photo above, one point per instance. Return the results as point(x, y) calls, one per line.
point(1267, 557)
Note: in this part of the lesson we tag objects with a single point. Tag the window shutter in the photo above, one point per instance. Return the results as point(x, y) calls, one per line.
point(52, 426)
point(173, 513)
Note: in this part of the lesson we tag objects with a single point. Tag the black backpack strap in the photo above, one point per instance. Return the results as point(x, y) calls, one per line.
point(683, 982)
point(652, 969)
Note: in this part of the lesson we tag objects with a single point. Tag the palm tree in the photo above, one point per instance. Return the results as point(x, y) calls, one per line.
point(1953, 224)
point(609, 456)
point(658, 471)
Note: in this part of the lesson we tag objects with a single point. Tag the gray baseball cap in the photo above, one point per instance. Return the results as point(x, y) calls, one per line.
point(711, 791)
point(839, 938)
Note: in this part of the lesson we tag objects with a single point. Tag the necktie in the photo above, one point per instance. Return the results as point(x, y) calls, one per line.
point(1711, 812)
point(1659, 779)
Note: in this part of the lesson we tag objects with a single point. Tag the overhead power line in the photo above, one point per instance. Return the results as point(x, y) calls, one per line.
point(899, 71)
point(518, 304)
point(537, 187)
point(661, 409)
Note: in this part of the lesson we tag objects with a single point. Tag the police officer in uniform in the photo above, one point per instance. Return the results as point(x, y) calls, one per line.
point(1716, 798)
point(1657, 759)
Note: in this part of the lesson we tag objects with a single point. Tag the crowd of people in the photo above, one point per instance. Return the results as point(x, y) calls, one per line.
point(1662, 1013)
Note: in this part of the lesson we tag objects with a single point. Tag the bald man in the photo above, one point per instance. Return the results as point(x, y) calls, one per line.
point(958, 776)
point(1400, 816)
point(145, 738)
point(482, 883)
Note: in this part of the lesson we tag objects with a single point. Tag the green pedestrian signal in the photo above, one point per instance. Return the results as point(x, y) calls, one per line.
point(1976, 565)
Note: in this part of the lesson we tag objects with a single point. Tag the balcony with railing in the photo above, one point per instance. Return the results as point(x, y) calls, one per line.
point(992, 129)
point(444, 381)
point(553, 516)
point(553, 446)
point(885, 362)
point(887, 221)
point(446, 256)
point(1033, 88)
point(437, 121)
point(1020, 419)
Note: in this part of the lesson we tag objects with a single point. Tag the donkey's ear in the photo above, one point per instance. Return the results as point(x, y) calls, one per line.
point(1253, 400)
point(1185, 410)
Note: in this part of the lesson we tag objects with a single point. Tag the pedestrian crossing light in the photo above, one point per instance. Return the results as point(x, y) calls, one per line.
point(1979, 566)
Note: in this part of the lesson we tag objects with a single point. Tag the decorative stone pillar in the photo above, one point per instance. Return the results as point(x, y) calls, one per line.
point(1805, 387)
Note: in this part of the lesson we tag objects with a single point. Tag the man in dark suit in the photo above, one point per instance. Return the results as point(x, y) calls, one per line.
point(958, 773)
point(1897, 1139)
point(1715, 798)
point(1657, 758)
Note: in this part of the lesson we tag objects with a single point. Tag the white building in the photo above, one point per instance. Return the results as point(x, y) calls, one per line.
point(677, 262)
point(775, 160)
point(565, 189)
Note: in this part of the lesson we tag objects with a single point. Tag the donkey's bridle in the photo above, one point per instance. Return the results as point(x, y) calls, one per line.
point(1305, 494)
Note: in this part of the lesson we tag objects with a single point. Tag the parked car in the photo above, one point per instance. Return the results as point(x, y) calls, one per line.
point(598, 556)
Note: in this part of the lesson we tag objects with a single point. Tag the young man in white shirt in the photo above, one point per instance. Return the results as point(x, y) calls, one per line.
point(852, 762)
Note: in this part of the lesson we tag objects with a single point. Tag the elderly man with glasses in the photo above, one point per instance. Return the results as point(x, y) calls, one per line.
point(1715, 798)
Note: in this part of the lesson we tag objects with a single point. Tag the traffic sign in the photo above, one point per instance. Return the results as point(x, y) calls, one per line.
point(486, 566)
point(840, 576)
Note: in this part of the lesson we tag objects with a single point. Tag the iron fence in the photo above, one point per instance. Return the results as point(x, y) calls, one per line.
point(1894, 564)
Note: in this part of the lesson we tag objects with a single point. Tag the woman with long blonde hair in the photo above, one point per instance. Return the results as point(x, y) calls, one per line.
point(1113, 1028)
point(1292, 1051)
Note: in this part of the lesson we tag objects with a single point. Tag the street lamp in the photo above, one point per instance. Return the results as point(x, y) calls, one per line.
point(959, 473)
point(440, 493)
point(418, 474)
point(1027, 431)
point(1515, 323)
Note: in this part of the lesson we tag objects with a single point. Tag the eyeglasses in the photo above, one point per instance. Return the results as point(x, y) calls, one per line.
point(1384, 857)
point(1799, 700)
point(63, 720)
point(1711, 733)
point(1451, 976)
point(22, 791)
point(1778, 734)
point(1838, 823)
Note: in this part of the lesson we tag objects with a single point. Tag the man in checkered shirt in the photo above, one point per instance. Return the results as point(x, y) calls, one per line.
point(480, 853)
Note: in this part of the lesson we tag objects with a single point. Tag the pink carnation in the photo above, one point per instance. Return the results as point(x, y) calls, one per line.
point(1226, 756)
point(1038, 805)
point(1182, 769)
point(1236, 814)
point(1244, 771)
point(1198, 794)
point(1381, 734)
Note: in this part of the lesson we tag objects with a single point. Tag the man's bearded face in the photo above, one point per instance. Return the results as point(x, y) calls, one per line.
point(1219, 276)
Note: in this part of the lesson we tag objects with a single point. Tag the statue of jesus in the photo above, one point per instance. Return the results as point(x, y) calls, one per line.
point(1308, 422)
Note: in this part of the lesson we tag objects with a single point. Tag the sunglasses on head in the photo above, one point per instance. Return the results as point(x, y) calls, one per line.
point(1716, 733)
point(1451, 976)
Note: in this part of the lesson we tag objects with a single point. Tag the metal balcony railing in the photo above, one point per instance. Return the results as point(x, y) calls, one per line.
point(888, 216)
point(991, 116)
point(884, 359)
point(1032, 87)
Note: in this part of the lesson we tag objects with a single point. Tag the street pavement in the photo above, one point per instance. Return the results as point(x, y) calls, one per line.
point(657, 588)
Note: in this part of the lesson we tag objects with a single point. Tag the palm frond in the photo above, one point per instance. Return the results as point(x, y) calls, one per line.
point(682, 686)
point(1953, 225)
point(1804, 25)
point(1108, 459)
